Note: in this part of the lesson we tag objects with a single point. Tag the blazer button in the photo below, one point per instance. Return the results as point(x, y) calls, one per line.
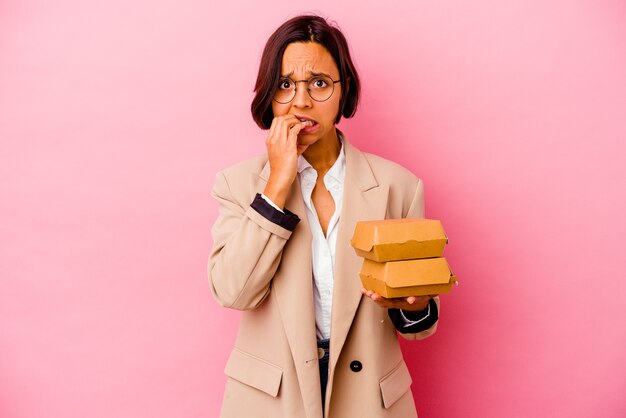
point(356, 366)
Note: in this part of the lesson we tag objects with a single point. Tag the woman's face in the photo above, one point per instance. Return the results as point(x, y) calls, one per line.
point(301, 61)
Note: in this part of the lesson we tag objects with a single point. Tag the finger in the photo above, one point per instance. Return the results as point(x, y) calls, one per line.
point(285, 131)
point(386, 303)
point(382, 305)
point(285, 122)
point(272, 129)
point(294, 131)
point(276, 126)
point(411, 300)
point(366, 292)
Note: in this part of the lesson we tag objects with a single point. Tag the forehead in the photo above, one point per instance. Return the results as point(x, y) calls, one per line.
point(302, 58)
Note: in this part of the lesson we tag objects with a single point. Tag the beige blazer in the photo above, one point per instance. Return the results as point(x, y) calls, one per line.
point(265, 270)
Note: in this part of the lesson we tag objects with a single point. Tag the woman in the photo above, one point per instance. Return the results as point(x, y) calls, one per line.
point(311, 341)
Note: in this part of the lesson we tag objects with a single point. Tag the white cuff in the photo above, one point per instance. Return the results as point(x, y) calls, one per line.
point(274, 205)
point(408, 322)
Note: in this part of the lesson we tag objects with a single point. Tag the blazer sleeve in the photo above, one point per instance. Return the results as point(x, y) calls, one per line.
point(416, 210)
point(247, 249)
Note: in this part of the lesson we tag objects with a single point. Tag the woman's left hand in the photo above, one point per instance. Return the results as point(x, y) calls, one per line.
point(411, 303)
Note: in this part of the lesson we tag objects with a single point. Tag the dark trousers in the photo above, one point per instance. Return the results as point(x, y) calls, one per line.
point(323, 362)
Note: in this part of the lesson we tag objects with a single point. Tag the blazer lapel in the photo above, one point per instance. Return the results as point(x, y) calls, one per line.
point(364, 199)
point(293, 290)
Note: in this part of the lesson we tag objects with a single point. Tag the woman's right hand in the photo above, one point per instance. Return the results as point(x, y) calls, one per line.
point(283, 151)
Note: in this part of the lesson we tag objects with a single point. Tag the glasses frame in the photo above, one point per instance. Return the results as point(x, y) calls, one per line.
point(308, 90)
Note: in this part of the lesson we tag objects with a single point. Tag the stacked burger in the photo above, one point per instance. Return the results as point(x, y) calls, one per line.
point(403, 257)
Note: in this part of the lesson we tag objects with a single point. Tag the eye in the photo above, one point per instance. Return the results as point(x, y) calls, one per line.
point(319, 83)
point(285, 84)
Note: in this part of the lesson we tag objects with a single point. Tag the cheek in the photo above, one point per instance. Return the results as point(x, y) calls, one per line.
point(336, 100)
point(331, 108)
point(279, 109)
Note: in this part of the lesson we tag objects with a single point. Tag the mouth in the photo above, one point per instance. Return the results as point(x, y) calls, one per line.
point(308, 122)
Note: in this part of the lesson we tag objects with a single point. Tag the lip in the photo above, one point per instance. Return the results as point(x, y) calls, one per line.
point(309, 129)
point(306, 118)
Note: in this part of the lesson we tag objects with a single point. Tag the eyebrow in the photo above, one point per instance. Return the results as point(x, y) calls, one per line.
point(313, 73)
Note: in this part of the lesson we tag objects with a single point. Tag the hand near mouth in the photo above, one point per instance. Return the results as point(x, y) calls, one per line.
point(283, 151)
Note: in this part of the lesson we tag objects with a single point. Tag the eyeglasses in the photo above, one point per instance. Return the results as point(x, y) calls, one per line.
point(320, 88)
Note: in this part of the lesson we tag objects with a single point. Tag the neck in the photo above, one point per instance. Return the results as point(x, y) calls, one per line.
point(323, 154)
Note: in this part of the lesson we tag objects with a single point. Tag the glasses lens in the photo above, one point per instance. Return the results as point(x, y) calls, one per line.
point(321, 88)
point(285, 91)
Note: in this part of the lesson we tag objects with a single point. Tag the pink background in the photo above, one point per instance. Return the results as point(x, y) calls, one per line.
point(115, 116)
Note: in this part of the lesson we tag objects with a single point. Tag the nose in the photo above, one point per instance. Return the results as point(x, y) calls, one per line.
point(302, 98)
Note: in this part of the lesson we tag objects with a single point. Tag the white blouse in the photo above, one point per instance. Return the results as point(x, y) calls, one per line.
point(323, 248)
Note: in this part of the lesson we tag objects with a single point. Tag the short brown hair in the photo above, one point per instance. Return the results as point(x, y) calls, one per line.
point(305, 28)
